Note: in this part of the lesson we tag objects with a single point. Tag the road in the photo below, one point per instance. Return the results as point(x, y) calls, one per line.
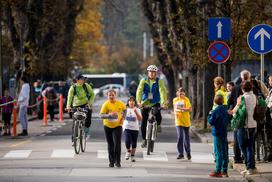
point(50, 157)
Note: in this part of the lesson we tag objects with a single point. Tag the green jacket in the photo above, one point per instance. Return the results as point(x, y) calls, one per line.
point(80, 98)
point(162, 90)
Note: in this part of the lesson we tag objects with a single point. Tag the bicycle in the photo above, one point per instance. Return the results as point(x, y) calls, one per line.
point(151, 130)
point(79, 137)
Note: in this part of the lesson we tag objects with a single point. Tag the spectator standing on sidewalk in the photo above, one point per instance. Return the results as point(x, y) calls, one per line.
point(6, 112)
point(258, 87)
point(131, 127)
point(219, 119)
point(113, 113)
point(219, 89)
point(182, 109)
point(246, 135)
point(230, 87)
point(23, 101)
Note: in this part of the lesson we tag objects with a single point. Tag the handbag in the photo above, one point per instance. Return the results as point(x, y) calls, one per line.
point(239, 118)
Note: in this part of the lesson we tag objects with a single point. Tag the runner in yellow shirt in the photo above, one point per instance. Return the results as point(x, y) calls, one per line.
point(182, 109)
point(113, 113)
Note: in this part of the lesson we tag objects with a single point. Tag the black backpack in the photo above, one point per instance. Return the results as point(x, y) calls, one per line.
point(85, 89)
point(260, 108)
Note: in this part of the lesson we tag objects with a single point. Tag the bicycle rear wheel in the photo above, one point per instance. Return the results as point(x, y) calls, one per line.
point(76, 138)
point(83, 139)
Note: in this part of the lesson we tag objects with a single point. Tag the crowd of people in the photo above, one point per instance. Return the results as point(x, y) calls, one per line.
point(119, 117)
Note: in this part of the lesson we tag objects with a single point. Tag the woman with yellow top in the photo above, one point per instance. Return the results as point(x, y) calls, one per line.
point(219, 89)
point(113, 113)
point(182, 109)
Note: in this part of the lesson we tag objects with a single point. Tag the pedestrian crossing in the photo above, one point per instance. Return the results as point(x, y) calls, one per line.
point(159, 156)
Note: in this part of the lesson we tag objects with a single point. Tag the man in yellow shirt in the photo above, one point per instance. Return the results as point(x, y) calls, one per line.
point(182, 109)
point(113, 113)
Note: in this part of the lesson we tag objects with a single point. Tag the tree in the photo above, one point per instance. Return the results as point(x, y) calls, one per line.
point(179, 32)
point(41, 33)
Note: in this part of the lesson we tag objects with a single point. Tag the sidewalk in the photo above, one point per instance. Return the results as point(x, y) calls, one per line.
point(36, 127)
point(265, 169)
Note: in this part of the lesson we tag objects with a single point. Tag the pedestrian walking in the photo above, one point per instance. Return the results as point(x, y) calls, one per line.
point(6, 112)
point(182, 109)
point(113, 113)
point(23, 101)
point(219, 119)
point(131, 128)
point(246, 134)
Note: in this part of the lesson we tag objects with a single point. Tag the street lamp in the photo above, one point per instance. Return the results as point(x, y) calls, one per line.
point(202, 4)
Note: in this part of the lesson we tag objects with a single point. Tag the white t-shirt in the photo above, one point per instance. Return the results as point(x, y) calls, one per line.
point(131, 122)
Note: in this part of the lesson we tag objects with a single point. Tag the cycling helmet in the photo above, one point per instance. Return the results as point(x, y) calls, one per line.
point(152, 68)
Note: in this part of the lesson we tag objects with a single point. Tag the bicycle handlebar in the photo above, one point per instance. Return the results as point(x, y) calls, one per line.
point(79, 109)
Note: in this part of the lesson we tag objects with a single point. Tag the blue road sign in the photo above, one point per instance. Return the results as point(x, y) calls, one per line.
point(219, 29)
point(259, 38)
point(219, 52)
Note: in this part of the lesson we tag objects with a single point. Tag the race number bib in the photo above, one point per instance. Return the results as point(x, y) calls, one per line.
point(150, 96)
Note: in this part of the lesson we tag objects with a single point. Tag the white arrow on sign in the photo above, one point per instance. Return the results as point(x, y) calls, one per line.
point(219, 29)
point(262, 33)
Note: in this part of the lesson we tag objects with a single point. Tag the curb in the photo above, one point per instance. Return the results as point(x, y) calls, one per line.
point(200, 137)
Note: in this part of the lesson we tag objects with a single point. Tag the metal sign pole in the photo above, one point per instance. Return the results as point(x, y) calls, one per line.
point(262, 67)
point(219, 69)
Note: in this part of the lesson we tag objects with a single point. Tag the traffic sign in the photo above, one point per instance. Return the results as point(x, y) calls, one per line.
point(259, 38)
point(219, 52)
point(219, 28)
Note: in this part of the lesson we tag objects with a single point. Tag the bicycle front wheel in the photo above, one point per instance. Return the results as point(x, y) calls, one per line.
point(83, 139)
point(76, 138)
point(149, 142)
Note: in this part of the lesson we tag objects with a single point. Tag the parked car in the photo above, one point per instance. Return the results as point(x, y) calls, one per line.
point(102, 91)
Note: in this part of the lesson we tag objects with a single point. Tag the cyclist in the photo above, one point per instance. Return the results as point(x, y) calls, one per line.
point(151, 92)
point(81, 95)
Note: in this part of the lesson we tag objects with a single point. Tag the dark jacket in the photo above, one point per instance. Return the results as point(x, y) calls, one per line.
point(219, 120)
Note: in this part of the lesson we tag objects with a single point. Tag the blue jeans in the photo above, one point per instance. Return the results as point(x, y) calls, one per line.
point(221, 153)
point(247, 147)
point(183, 140)
point(23, 117)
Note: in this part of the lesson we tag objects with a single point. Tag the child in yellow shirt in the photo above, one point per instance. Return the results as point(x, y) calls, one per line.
point(182, 109)
point(113, 113)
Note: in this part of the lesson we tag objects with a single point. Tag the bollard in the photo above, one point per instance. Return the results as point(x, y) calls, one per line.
point(61, 108)
point(44, 111)
point(14, 120)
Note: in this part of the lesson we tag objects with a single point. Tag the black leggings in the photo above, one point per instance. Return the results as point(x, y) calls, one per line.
point(131, 138)
point(145, 114)
point(113, 137)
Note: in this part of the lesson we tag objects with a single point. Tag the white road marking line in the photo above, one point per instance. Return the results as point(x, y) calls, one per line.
point(202, 158)
point(18, 154)
point(155, 156)
point(102, 154)
point(63, 153)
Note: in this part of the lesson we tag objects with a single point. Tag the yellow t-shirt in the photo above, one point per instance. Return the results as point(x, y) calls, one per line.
point(109, 107)
point(182, 118)
point(224, 93)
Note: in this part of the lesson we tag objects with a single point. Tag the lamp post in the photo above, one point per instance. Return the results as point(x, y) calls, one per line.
point(203, 4)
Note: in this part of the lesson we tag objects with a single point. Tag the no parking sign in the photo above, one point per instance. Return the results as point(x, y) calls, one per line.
point(219, 52)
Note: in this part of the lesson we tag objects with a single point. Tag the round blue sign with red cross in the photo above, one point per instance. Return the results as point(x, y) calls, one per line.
point(219, 52)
